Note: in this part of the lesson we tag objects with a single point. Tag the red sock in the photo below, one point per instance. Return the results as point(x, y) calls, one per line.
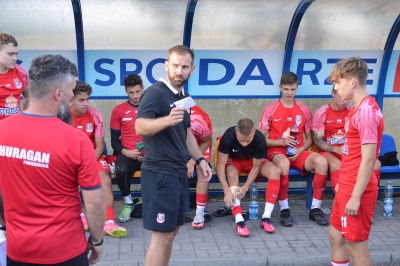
point(272, 190)
point(319, 185)
point(110, 213)
point(201, 199)
point(236, 210)
point(377, 174)
point(283, 191)
point(334, 179)
point(340, 263)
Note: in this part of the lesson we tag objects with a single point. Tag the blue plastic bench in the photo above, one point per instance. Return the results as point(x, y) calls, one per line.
point(389, 172)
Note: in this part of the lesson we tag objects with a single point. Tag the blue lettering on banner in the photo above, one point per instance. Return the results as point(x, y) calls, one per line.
point(110, 74)
point(149, 69)
point(262, 68)
point(203, 72)
point(124, 72)
point(222, 73)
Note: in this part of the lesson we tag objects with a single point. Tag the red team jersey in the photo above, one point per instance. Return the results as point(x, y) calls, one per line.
point(364, 125)
point(123, 119)
point(12, 84)
point(91, 123)
point(40, 179)
point(201, 127)
point(332, 123)
point(277, 120)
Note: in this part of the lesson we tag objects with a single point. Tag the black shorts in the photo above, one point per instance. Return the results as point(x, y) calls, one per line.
point(80, 260)
point(164, 200)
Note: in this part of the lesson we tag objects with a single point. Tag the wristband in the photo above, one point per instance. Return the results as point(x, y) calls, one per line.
point(95, 244)
point(199, 160)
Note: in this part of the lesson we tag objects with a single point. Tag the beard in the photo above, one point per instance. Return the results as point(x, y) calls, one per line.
point(178, 84)
point(64, 114)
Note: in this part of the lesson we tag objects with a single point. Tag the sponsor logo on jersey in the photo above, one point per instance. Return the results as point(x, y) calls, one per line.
point(337, 138)
point(160, 218)
point(289, 119)
point(11, 101)
point(89, 127)
point(29, 157)
point(11, 106)
point(17, 83)
point(126, 118)
point(127, 112)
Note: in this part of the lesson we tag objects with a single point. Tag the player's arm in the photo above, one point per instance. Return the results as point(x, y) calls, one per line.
point(229, 198)
point(203, 146)
point(250, 178)
point(307, 141)
point(368, 152)
point(99, 147)
point(116, 141)
point(277, 142)
point(195, 152)
point(318, 137)
point(151, 126)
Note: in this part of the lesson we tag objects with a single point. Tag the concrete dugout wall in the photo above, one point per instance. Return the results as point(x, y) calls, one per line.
point(242, 47)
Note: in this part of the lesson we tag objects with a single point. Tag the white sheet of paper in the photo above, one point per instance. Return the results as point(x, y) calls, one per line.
point(185, 102)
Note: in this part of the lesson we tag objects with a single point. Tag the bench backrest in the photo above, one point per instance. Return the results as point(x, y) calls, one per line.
point(388, 144)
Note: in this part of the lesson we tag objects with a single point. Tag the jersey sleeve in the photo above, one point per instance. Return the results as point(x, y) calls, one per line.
point(266, 117)
point(88, 175)
point(24, 76)
point(225, 143)
point(98, 123)
point(199, 126)
point(318, 121)
point(149, 104)
point(261, 145)
point(367, 122)
point(307, 116)
point(115, 121)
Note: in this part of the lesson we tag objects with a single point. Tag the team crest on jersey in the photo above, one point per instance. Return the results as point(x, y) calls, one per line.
point(17, 83)
point(298, 119)
point(160, 218)
point(89, 127)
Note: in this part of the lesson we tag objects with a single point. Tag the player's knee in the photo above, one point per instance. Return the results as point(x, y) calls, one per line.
point(283, 165)
point(105, 179)
point(273, 172)
point(334, 165)
point(121, 170)
point(320, 164)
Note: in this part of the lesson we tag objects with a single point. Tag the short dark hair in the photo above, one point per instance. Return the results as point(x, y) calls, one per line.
point(351, 67)
point(82, 87)
point(289, 78)
point(245, 126)
point(6, 39)
point(48, 72)
point(181, 49)
point(133, 80)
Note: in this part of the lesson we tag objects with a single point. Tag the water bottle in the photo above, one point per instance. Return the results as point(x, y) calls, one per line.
point(294, 131)
point(253, 206)
point(388, 202)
